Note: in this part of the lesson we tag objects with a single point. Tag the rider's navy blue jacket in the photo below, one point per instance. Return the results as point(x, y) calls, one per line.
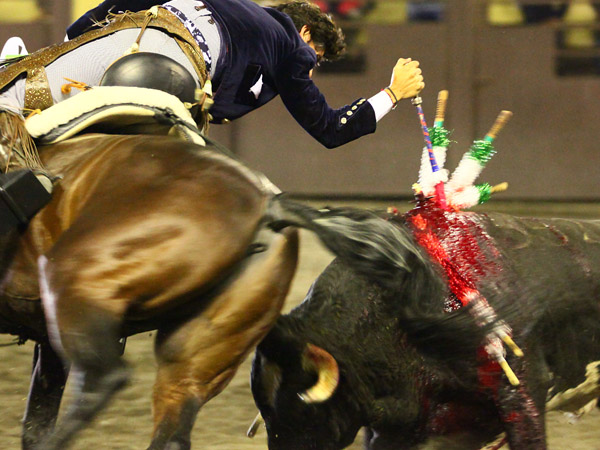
point(263, 42)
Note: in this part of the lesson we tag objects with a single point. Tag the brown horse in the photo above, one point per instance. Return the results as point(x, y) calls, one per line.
point(153, 233)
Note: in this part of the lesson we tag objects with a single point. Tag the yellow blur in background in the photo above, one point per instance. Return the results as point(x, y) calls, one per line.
point(19, 11)
point(78, 7)
point(579, 18)
point(24, 11)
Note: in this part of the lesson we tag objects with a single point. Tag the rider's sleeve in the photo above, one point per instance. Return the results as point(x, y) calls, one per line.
point(382, 104)
point(99, 13)
point(331, 127)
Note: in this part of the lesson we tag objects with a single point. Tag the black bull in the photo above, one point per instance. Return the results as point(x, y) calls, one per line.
point(409, 370)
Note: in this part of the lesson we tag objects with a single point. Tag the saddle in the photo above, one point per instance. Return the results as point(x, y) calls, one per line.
point(127, 110)
point(105, 109)
point(101, 109)
point(115, 110)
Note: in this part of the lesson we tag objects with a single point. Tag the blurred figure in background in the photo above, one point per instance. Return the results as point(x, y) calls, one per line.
point(544, 12)
point(425, 11)
point(346, 9)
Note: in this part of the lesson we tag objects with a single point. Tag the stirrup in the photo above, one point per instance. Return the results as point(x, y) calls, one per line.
point(22, 195)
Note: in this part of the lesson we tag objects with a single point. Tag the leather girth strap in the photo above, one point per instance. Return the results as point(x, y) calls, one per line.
point(37, 89)
point(34, 63)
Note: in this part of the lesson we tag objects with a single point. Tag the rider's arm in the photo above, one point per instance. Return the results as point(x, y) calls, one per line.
point(331, 127)
point(335, 127)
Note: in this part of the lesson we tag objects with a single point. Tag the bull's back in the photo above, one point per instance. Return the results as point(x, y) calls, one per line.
point(549, 250)
point(553, 266)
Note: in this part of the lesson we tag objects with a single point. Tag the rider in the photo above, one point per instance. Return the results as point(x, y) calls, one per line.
point(251, 54)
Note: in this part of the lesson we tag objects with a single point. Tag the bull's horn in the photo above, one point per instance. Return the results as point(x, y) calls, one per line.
point(257, 422)
point(316, 358)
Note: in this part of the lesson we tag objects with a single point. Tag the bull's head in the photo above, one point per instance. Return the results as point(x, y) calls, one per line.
point(320, 372)
point(302, 395)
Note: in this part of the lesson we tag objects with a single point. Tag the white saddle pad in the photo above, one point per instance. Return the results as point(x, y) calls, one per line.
point(117, 106)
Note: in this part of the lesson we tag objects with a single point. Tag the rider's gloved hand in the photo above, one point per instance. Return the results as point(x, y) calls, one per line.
point(407, 80)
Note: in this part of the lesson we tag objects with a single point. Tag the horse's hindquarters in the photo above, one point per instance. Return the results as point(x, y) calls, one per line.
point(145, 236)
point(198, 358)
point(148, 225)
point(170, 237)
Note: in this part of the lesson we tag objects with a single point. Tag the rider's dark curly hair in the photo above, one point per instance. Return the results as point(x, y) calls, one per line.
point(323, 31)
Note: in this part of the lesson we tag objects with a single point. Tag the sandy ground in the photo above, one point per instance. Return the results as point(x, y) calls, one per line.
point(223, 422)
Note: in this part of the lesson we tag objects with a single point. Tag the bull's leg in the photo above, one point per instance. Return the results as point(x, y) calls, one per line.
point(197, 359)
point(45, 393)
point(523, 422)
point(521, 407)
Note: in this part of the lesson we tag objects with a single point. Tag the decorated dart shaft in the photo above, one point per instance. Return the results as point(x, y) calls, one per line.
point(438, 136)
point(440, 111)
point(473, 161)
point(476, 194)
point(512, 378)
point(439, 187)
point(417, 102)
point(501, 120)
point(501, 187)
point(485, 315)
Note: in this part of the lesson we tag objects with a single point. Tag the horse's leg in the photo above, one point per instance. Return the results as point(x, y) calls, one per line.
point(87, 333)
point(198, 358)
point(97, 371)
point(48, 381)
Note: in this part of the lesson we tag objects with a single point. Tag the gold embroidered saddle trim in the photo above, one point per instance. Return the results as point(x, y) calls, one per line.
point(37, 91)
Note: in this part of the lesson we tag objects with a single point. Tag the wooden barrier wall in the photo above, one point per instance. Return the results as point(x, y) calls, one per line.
point(549, 150)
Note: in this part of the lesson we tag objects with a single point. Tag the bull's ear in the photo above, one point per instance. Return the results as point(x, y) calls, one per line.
point(265, 380)
point(324, 364)
point(281, 344)
point(278, 352)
